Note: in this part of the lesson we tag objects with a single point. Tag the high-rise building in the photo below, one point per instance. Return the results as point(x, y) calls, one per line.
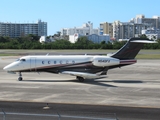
point(126, 30)
point(106, 28)
point(86, 29)
point(153, 22)
point(22, 29)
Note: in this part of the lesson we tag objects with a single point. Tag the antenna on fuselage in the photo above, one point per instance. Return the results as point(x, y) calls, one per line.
point(47, 54)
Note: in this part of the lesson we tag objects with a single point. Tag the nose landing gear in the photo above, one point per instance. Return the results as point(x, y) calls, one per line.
point(20, 77)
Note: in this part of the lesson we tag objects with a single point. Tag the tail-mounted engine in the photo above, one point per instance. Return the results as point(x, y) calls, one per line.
point(103, 61)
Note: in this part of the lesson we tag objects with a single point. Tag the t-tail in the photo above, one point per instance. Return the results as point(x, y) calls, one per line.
point(131, 48)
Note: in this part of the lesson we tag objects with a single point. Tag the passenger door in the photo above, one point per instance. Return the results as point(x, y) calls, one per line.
point(33, 64)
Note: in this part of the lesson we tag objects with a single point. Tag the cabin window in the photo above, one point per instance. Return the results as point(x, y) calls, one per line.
point(54, 62)
point(60, 61)
point(73, 61)
point(67, 61)
point(42, 62)
point(49, 62)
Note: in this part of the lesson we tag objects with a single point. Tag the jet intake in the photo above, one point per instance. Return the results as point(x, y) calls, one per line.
point(103, 61)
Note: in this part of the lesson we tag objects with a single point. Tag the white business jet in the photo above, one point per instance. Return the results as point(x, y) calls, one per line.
point(81, 66)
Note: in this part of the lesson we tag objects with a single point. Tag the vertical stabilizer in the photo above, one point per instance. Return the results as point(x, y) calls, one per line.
point(131, 48)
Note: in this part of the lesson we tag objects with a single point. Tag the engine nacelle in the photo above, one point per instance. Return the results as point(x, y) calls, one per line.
point(103, 61)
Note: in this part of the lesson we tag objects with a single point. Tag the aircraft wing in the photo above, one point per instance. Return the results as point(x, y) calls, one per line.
point(82, 74)
point(11, 72)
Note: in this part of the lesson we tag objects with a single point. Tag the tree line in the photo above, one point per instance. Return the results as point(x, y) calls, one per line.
point(32, 42)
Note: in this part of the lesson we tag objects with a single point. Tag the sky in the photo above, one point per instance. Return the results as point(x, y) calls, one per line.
point(73, 13)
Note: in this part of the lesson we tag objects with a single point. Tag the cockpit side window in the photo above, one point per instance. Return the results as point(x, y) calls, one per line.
point(23, 60)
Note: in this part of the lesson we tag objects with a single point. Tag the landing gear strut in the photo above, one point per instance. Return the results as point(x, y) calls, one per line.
point(81, 79)
point(20, 77)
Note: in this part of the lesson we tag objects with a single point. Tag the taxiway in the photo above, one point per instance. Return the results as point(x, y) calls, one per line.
point(134, 85)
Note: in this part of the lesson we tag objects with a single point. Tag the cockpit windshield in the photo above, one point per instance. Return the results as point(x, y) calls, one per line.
point(18, 60)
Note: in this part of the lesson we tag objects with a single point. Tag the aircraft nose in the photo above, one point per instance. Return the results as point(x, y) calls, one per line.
point(6, 68)
point(9, 67)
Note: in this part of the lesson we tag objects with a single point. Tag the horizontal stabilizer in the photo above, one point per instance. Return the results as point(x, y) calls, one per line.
point(82, 74)
point(143, 41)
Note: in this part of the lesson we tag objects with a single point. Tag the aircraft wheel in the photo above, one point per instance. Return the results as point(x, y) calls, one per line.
point(81, 79)
point(20, 79)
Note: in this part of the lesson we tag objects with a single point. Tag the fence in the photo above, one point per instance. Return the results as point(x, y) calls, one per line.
point(30, 116)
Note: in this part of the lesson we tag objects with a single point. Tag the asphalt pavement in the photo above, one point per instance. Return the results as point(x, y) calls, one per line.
point(132, 93)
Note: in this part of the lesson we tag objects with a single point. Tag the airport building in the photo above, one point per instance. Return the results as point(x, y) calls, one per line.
point(23, 29)
point(86, 29)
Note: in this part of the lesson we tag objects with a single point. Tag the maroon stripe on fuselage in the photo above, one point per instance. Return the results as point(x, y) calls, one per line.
point(128, 61)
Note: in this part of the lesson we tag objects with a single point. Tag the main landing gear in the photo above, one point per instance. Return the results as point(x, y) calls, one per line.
point(20, 77)
point(81, 79)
